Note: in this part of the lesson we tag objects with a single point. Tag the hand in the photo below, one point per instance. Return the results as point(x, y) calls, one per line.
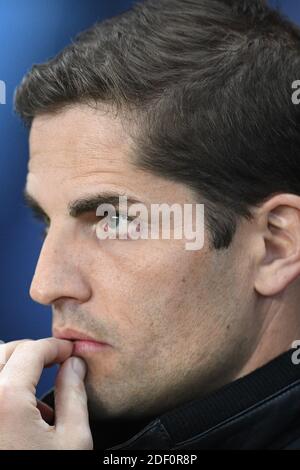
point(21, 417)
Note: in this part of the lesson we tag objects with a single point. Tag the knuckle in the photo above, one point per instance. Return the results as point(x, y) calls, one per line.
point(43, 341)
point(78, 394)
point(34, 346)
point(25, 346)
point(46, 343)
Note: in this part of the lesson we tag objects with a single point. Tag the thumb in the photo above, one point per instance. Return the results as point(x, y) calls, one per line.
point(71, 411)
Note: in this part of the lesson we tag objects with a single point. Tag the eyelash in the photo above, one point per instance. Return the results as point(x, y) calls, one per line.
point(118, 214)
point(46, 222)
point(44, 232)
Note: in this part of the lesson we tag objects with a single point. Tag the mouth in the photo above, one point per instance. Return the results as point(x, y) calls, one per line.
point(83, 343)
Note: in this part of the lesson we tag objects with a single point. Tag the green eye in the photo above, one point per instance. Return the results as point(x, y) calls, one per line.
point(116, 226)
point(114, 221)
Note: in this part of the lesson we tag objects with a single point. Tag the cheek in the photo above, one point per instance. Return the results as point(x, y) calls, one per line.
point(164, 292)
point(144, 287)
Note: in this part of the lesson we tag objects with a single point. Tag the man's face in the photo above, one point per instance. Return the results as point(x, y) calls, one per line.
point(178, 322)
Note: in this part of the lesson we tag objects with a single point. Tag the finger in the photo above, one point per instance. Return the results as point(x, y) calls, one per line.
point(6, 350)
point(46, 411)
point(71, 411)
point(25, 365)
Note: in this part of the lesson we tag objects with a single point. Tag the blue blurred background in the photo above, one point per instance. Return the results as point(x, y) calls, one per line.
point(30, 32)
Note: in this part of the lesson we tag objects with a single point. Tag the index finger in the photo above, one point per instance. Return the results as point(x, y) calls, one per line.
point(25, 365)
point(6, 350)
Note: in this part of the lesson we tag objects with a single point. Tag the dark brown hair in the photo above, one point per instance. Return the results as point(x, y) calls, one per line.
point(211, 82)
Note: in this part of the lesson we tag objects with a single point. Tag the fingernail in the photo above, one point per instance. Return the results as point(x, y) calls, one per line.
point(79, 367)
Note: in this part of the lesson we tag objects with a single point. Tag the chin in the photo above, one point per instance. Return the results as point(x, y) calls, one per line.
point(111, 401)
point(104, 403)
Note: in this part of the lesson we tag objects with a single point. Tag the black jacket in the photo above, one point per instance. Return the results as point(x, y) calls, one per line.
point(258, 411)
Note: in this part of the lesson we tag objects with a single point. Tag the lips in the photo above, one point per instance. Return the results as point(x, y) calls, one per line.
point(73, 335)
point(83, 344)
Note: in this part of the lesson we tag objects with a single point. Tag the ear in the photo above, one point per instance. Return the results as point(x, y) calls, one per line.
point(279, 262)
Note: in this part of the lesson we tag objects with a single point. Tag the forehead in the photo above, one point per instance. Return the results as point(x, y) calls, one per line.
point(80, 148)
point(78, 138)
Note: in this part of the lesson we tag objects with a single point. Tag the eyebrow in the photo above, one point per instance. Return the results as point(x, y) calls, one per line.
point(83, 205)
point(30, 202)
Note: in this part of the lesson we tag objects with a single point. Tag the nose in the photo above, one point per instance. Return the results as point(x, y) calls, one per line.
point(59, 271)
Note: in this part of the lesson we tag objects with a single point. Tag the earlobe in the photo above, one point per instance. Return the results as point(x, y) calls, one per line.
point(280, 265)
point(273, 279)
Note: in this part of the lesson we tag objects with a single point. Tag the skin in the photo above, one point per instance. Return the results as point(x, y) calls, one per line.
point(179, 323)
point(24, 422)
